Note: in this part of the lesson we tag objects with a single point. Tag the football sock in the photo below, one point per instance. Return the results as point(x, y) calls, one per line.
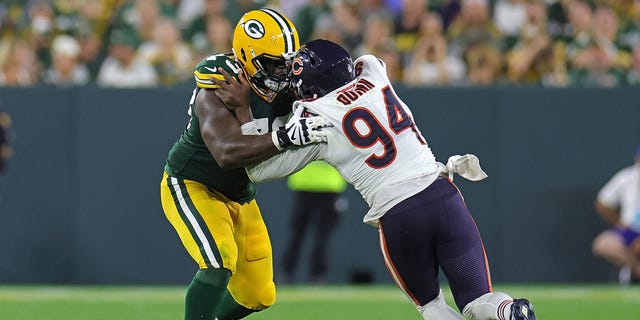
point(206, 293)
point(232, 310)
point(437, 309)
point(490, 306)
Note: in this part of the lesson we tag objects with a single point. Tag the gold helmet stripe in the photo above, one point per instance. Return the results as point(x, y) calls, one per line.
point(287, 31)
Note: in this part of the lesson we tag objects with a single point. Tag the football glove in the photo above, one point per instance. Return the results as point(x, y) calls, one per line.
point(300, 131)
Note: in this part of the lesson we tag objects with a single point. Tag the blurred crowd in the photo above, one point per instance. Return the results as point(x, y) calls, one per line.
point(143, 43)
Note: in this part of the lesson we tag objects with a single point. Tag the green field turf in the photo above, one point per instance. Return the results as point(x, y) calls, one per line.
point(552, 302)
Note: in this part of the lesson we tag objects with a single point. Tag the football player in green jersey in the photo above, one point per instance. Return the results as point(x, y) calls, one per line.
point(206, 194)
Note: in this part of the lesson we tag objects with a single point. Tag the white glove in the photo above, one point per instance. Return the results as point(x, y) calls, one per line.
point(299, 131)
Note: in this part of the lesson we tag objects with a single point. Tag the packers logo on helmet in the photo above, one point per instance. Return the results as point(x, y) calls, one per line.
point(254, 29)
point(264, 42)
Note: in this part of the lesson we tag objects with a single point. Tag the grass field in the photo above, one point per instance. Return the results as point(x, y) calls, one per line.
point(552, 302)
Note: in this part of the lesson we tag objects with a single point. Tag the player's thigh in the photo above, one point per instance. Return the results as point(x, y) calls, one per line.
point(607, 243)
point(408, 248)
point(252, 284)
point(202, 220)
point(461, 253)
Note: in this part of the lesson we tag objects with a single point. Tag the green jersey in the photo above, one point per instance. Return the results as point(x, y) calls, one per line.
point(189, 157)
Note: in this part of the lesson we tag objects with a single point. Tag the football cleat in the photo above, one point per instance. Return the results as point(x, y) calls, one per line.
point(521, 309)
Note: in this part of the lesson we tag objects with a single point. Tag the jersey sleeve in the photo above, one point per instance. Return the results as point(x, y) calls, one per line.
point(610, 194)
point(208, 67)
point(371, 65)
point(285, 163)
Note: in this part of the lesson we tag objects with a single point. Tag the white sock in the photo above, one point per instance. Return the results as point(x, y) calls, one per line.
point(438, 309)
point(490, 306)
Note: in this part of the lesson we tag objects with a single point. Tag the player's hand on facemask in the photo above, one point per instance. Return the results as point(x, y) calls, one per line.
point(300, 131)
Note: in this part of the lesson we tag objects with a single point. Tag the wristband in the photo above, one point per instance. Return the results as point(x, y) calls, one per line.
point(276, 140)
point(249, 128)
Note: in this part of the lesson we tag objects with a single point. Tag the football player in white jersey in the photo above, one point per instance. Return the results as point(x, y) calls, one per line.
point(423, 221)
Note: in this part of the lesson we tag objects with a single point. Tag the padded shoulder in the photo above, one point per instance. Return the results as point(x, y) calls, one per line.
point(372, 65)
point(208, 67)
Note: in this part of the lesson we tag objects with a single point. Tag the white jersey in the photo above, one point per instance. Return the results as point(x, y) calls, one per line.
point(373, 142)
point(623, 191)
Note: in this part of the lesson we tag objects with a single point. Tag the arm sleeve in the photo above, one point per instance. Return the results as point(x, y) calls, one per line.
point(286, 163)
point(373, 65)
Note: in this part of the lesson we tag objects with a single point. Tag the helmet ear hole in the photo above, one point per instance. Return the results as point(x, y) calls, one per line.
point(312, 58)
point(243, 55)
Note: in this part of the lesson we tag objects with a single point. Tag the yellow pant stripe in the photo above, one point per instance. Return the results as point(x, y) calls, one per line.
point(194, 224)
point(213, 228)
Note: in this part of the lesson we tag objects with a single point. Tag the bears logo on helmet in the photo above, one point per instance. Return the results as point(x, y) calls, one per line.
point(297, 66)
point(320, 67)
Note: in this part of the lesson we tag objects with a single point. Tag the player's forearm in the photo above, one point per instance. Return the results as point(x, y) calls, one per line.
point(243, 150)
point(285, 163)
point(243, 114)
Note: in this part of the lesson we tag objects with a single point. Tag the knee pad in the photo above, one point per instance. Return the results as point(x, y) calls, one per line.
point(254, 297)
point(267, 297)
point(270, 295)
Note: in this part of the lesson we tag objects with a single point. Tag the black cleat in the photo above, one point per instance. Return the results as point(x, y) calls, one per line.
point(521, 309)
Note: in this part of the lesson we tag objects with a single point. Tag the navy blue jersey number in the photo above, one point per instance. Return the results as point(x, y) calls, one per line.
point(376, 133)
point(398, 119)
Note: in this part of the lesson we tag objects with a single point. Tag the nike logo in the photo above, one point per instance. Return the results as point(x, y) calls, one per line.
point(212, 70)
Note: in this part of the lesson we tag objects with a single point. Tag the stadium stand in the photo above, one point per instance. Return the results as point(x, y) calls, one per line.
point(551, 43)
